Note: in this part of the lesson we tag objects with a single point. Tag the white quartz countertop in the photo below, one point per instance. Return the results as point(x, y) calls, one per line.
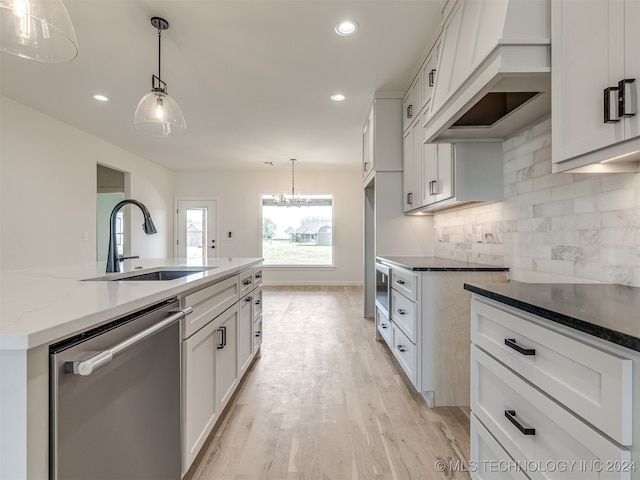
point(41, 306)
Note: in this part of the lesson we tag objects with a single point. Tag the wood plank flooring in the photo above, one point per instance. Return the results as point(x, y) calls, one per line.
point(327, 401)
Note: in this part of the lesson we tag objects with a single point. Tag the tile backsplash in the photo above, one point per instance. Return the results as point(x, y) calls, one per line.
point(550, 227)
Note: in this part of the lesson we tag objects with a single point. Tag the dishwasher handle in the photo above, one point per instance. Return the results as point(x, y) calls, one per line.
point(100, 359)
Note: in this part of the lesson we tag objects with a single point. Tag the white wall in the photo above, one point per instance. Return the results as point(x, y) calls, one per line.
point(239, 211)
point(48, 192)
point(551, 227)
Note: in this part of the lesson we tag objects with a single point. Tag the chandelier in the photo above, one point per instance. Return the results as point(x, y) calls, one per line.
point(285, 200)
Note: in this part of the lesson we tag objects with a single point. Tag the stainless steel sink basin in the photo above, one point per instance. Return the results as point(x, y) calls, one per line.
point(156, 274)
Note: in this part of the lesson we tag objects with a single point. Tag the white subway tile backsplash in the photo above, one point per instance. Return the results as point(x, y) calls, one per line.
point(550, 227)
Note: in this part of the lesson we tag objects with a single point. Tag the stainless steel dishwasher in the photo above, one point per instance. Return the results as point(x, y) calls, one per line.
point(115, 399)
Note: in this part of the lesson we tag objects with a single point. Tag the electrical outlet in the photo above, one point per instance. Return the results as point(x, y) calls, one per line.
point(479, 234)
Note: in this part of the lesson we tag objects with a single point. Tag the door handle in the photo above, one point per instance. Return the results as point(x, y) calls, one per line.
point(608, 104)
point(627, 98)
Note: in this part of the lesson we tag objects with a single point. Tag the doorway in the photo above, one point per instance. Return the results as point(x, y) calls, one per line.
point(111, 189)
point(196, 229)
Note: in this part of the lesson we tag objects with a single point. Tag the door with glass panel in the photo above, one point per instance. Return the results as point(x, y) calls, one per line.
point(196, 229)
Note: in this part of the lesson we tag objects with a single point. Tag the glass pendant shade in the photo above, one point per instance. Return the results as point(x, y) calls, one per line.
point(158, 114)
point(39, 30)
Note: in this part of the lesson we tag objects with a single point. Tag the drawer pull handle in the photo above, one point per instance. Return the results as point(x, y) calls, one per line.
point(259, 275)
point(402, 312)
point(384, 325)
point(511, 343)
point(511, 415)
point(258, 333)
point(247, 282)
point(401, 348)
point(248, 299)
point(400, 282)
point(258, 302)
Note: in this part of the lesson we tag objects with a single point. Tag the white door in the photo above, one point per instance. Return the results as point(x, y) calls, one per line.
point(196, 229)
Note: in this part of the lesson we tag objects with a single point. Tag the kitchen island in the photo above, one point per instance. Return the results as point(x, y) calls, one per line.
point(555, 377)
point(39, 307)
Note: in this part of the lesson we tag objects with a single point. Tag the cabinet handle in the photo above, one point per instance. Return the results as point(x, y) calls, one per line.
point(511, 415)
point(259, 275)
point(258, 333)
point(247, 282)
point(409, 111)
point(384, 325)
point(608, 104)
point(248, 299)
point(257, 302)
point(432, 190)
point(366, 166)
point(223, 337)
point(400, 282)
point(511, 343)
point(432, 76)
point(401, 348)
point(627, 93)
point(401, 311)
point(409, 198)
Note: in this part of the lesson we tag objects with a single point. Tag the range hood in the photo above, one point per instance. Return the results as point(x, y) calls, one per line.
point(494, 71)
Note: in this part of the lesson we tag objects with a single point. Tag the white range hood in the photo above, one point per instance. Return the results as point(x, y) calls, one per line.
point(494, 70)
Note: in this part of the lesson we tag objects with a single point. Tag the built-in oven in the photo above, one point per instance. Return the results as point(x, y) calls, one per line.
point(383, 287)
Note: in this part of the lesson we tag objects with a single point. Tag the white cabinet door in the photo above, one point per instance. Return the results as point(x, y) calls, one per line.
point(412, 102)
point(429, 78)
point(412, 166)
point(588, 56)
point(367, 147)
point(429, 172)
point(245, 333)
point(444, 181)
point(226, 356)
point(199, 391)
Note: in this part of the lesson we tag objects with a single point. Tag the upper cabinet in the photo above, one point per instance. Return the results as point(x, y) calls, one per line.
point(492, 74)
point(595, 73)
point(382, 136)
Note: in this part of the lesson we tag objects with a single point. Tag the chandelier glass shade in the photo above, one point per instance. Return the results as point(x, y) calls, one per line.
point(39, 30)
point(293, 200)
point(157, 113)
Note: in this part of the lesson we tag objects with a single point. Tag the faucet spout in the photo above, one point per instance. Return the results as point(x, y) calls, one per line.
point(113, 262)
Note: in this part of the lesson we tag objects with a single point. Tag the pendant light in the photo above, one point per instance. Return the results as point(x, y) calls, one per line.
point(39, 30)
point(157, 113)
point(284, 200)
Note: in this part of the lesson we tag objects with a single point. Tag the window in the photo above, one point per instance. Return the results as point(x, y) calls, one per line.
point(298, 235)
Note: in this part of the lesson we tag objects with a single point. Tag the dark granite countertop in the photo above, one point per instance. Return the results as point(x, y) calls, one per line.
point(609, 312)
point(437, 264)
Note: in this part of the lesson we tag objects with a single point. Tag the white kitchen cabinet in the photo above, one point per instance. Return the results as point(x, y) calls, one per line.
point(412, 167)
point(428, 330)
point(429, 72)
point(547, 393)
point(245, 333)
point(227, 356)
point(412, 101)
point(595, 46)
point(455, 174)
point(382, 135)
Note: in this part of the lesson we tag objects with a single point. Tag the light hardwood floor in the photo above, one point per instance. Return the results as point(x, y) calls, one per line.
point(327, 401)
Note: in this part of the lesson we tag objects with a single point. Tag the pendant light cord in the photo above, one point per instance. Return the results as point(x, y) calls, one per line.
point(159, 53)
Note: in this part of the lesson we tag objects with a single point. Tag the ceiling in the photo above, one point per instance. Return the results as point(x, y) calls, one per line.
point(253, 78)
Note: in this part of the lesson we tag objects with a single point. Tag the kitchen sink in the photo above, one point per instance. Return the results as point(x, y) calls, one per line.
point(161, 274)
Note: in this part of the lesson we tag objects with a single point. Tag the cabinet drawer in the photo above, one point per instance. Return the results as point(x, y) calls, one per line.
point(405, 282)
point(405, 353)
point(257, 303)
point(245, 280)
point(384, 327)
point(488, 460)
point(257, 334)
point(556, 436)
point(257, 277)
point(208, 303)
point(403, 314)
point(595, 384)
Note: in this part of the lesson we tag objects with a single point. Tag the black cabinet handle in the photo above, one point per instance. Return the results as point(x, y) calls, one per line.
point(627, 94)
point(384, 325)
point(608, 104)
point(257, 302)
point(511, 415)
point(247, 282)
point(223, 337)
point(258, 333)
point(400, 282)
point(259, 275)
point(401, 311)
point(248, 299)
point(410, 111)
point(511, 343)
point(432, 75)
point(409, 198)
point(401, 348)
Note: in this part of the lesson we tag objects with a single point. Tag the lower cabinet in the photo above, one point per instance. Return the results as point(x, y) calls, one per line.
point(548, 401)
point(215, 358)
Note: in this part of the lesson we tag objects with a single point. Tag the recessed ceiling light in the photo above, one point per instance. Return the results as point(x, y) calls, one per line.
point(338, 97)
point(346, 27)
point(101, 98)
